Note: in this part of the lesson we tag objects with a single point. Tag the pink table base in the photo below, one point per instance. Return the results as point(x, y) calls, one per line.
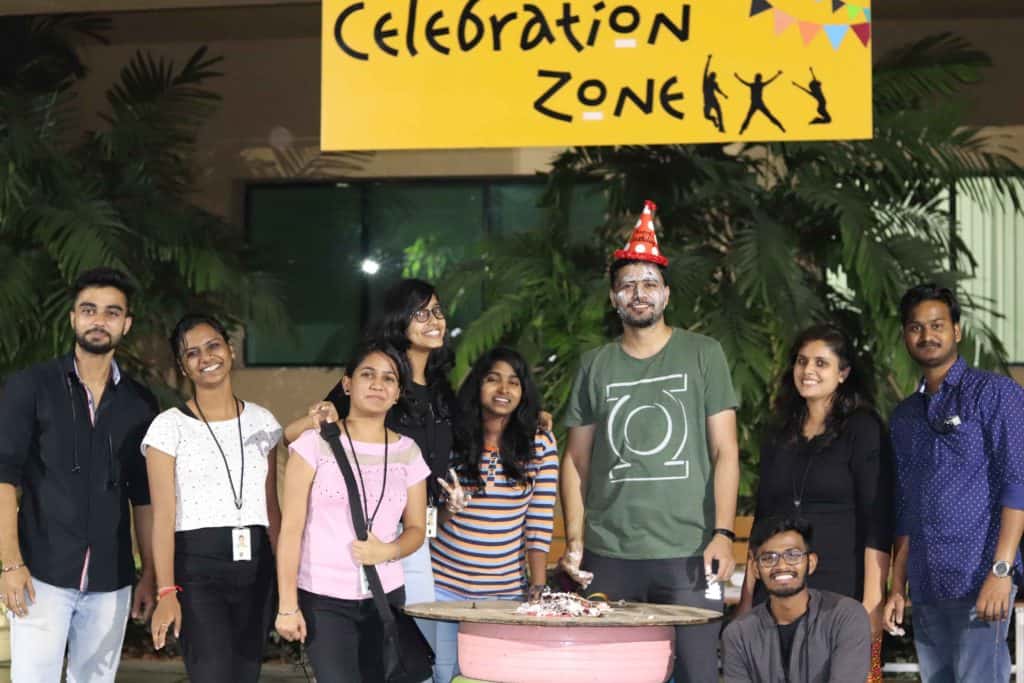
point(515, 653)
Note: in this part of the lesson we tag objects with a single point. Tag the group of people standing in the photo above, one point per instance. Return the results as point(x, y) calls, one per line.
point(458, 491)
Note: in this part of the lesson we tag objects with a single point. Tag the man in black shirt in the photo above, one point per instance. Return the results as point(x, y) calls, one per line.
point(800, 634)
point(71, 429)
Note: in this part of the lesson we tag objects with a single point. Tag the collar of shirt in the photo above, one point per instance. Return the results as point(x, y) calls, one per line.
point(115, 370)
point(953, 377)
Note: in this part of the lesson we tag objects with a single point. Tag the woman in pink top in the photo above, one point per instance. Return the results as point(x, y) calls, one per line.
point(324, 601)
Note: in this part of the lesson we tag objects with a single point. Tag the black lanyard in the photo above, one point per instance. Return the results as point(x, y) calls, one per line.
point(362, 485)
point(241, 449)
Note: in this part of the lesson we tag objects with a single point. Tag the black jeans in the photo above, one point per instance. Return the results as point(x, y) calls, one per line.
point(344, 637)
point(677, 581)
point(225, 605)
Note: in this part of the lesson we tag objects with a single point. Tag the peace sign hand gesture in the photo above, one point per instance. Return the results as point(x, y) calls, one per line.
point(458, 498)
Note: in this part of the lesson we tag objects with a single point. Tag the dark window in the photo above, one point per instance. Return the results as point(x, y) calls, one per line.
point(324, 241)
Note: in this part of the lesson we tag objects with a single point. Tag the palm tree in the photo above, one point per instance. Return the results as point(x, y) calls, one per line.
point(764, 239)
point(115, 196)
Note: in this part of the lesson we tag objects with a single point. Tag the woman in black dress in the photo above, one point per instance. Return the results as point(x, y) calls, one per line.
point(827, 459)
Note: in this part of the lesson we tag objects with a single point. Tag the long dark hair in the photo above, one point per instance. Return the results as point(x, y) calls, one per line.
point(516, 445)
point(790, 408)
point(399, 304)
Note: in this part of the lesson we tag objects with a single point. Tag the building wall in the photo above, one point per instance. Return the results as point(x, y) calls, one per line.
point(267, 126)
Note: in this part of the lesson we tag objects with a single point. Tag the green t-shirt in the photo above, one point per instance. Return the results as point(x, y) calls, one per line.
point(650, 491)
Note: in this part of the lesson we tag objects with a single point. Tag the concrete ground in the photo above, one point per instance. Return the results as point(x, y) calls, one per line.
point(146, 671)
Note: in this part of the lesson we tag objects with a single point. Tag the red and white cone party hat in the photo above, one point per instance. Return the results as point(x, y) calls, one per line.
point(643, 244)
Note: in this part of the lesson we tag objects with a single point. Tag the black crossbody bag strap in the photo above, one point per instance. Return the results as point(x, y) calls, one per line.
point(330, 433)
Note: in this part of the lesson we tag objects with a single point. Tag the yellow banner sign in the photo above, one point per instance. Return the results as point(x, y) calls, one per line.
point(422, 74)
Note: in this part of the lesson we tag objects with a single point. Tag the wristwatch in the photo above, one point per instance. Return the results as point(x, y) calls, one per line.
point(1001, 569)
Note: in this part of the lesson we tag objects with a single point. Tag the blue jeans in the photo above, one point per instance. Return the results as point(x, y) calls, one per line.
point(419, 587)
point(91, 626)
point(953, 646)
point(446, 649)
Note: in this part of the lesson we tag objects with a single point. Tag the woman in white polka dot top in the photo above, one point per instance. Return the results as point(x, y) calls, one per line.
point(211, 465)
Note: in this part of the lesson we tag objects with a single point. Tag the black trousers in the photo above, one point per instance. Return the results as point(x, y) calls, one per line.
point(676, 581)
point(344, 637)
point(225, 605)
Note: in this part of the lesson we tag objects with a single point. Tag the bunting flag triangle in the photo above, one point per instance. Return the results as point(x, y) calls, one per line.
point(867, 13)
point(758, 6)
point(808, 30)
point(782, 21)
point(863, 32)
point(837, 5)
point(836, 33)
point(852, 11)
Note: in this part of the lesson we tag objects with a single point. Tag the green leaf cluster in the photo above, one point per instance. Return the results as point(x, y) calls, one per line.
point(118, 195)
point(764, 240)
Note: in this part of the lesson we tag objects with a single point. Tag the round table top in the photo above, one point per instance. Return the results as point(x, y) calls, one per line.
point(504, 612)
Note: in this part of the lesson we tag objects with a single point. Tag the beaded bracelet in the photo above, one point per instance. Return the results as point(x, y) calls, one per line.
point(13, 567)
point(289, 614)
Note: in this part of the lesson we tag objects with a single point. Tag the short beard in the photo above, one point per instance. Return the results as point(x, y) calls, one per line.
point(641, 323)
point(787, 592)
point(94, 348)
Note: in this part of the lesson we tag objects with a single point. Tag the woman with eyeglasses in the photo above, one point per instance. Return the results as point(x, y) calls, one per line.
point(827, 460)
point(412, 320)
point(212, 479)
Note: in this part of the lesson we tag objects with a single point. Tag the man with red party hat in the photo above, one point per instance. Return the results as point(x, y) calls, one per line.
point(651, 472)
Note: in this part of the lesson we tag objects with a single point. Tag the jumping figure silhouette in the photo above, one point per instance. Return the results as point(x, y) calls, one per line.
point(712, 108)
point(757, 99)
point(814, 90)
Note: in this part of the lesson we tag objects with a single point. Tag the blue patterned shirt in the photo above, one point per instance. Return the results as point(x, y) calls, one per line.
point(959, 457)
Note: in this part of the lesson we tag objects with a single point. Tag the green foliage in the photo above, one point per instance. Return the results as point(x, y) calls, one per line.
point(115, 196)
point(764, 239)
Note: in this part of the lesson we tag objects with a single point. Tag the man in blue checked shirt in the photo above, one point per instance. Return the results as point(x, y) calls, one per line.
point(958, 442)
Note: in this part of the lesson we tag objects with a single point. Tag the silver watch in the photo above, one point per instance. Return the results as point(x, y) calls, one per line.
point(1001, 569)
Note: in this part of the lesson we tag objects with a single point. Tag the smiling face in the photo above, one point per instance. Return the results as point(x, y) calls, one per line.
point(816, 371)
point(931, 335)
point(500, 391)
point(205, 356)
point(639, 295)
point(784, 579)
point(100, 319)
point(374, 385)
point(428, 334)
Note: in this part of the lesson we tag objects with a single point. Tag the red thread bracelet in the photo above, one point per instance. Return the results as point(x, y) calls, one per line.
point(167, 590)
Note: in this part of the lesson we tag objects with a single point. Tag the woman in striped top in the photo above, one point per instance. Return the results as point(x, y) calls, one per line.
point(500, 510)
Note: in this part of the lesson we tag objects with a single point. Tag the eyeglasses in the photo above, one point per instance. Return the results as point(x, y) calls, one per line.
point(423, 315)
point(770, 559)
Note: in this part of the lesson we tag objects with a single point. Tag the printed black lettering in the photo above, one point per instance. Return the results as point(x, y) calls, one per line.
point(380, 34)
point(339, 25)
point(433, 32)
point(667, 97)
point(632, 16)
point(410, 29)
point(561, 78)
point(565, 23)
point(681, 32)
point(591, 83)
point(646, 105)
point(594, 25)
point(537, 22)
point(466, 18)
point(497, 24)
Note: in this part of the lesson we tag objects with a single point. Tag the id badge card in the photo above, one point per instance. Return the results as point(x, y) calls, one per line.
point(241, 544)
point(431, 521)
point(364, 583)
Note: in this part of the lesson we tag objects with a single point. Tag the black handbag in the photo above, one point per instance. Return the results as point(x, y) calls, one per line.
point(408, 658)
